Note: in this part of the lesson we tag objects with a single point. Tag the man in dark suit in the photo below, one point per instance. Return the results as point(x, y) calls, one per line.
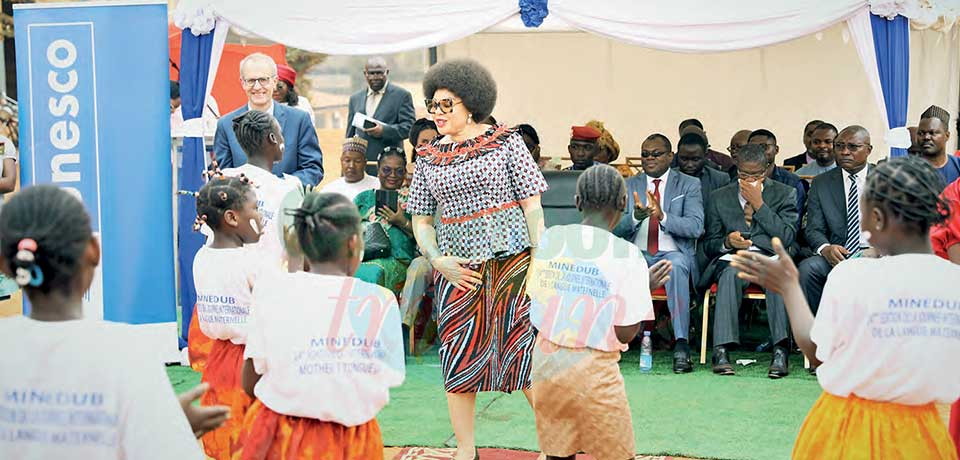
point(301, 150)
point(769, 141)
point(807, 156)
point(692, 159)
point(766, 209)
point(664, 218)
point(833, 227)
point(390, 105)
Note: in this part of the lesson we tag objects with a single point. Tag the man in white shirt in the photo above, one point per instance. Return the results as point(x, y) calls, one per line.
point(833, 227)
point(664, 218)
point(352, 165)
point(390, 105)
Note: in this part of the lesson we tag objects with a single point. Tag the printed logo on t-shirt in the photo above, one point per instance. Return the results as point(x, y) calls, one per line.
point(221, 309)
point(43, 416)
point(917, 317)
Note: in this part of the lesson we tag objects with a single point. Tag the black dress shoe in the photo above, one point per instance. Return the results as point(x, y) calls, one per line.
point(681, 362)
point(721, 362)
point(779, 363)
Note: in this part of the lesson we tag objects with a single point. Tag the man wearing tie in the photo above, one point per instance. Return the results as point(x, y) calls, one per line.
point(664, 218)
point(390, 105)
point(301, 150)
point(833, 228)
point(766, 209)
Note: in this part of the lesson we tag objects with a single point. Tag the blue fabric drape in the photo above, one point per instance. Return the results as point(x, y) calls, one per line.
point(194, 67)
point(891, 40)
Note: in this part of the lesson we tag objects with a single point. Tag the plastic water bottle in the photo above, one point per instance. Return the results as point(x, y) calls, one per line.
point(646, 353)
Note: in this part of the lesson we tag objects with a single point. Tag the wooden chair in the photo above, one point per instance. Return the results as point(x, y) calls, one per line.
point(634, 164)
point(753, 292)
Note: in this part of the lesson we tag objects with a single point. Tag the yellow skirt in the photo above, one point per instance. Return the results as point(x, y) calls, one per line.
point(855, 428)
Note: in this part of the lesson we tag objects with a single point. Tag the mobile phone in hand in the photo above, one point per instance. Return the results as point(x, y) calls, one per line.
point(746, 234)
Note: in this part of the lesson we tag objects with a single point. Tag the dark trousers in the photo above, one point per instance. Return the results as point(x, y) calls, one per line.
point(726, 320)
point(813, 276)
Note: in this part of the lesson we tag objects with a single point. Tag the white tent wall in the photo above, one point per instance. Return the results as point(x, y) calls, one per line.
point(555, 80)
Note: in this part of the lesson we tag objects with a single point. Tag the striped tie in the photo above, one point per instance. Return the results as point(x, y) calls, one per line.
point(853, 218)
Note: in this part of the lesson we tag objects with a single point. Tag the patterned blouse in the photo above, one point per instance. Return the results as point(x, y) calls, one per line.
point(478, 184)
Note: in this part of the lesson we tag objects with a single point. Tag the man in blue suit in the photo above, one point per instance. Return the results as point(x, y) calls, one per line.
point(301, 150)
point(664, 218)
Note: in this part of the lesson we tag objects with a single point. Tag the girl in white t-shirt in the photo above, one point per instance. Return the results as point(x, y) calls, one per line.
point(76, 388)
point(261, 138)
point(589, 291)
point(887, 332)
point(224, 273)
point(323, 348)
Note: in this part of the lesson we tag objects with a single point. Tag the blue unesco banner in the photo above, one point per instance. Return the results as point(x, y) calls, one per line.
point(93, 90)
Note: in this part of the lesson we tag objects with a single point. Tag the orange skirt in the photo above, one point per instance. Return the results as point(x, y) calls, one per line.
point(855, 428)
point(198, 344)
point(268, 435)
point(224, 371)
point(955, 425)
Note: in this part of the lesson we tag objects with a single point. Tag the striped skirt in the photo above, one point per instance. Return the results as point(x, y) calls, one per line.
point(855, 428)
point(485, 335)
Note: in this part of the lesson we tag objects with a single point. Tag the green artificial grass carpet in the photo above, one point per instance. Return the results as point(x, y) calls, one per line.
point(746, 416)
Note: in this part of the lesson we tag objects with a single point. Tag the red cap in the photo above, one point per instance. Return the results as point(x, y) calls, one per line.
point(286, 74)
point(584, 133)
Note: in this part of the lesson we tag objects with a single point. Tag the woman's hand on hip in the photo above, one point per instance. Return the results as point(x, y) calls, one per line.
point(455, 270)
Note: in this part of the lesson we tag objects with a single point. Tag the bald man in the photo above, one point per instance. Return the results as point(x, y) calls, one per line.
point(737, 141)
point(390, 105)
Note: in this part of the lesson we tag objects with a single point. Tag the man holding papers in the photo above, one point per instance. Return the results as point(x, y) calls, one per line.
point(747, 214)
point(387, 111)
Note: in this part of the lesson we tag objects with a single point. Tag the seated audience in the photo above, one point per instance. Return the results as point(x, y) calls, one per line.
point(808, 155)
point(583, 147)
point(746, 215)
point(664, 218)
point(821, 149)
point(391, 169)
point(833, 230)
point(353, 162)
point(933, 134)
point(692, 158)
point(609, 148)
point(724, 162)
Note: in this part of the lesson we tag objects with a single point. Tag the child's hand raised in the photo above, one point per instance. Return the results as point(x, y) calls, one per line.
point(660, 274)
point(202, 418)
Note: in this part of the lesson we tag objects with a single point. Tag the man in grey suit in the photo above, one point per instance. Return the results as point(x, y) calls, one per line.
point(390, 105)
point(833, 228)
point(301, 150)
point(664, 218)
point(766, 209)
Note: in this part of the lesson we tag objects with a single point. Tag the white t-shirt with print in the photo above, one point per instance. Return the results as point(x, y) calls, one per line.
point(328, 347)
point(271, 192)
point(224, 281)
point(86, 389)
point(583, 282)
point(349, 190)
point(888, 330)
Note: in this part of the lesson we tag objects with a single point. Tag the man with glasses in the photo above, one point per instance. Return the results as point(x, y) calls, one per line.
point(390, 105)
point(583, 148)
point(833, 229)
point(747, 215)
point(769, 141)
point(301, 150)
point(664, 218)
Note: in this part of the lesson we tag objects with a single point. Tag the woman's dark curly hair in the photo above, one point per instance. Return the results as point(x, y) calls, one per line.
point(469, 80)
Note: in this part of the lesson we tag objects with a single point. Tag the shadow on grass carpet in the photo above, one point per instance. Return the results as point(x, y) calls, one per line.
point(701, 415)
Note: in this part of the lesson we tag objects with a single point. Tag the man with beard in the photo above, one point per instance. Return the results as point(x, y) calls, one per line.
point(807, 156)
point(821, 148)
point(933, 134)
